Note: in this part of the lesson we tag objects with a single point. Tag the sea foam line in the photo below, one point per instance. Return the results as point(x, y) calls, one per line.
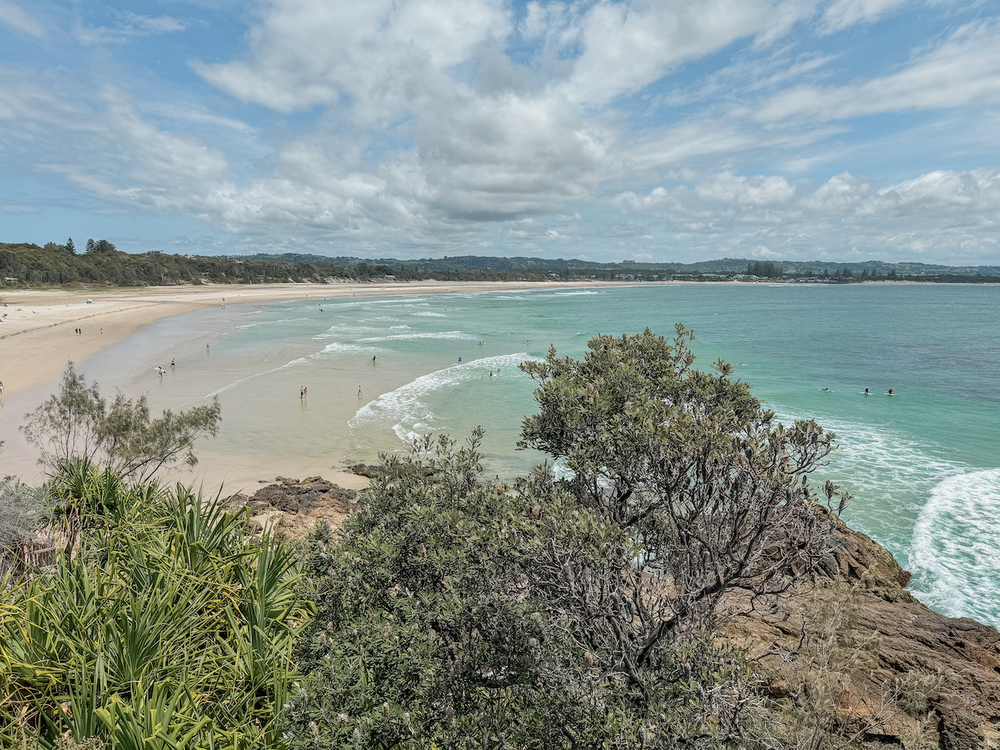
point(403, 410)
point(230, 386)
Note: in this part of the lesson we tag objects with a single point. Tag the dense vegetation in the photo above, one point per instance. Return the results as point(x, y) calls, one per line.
point(168, 627)
point(102, 264)
point(452, 610)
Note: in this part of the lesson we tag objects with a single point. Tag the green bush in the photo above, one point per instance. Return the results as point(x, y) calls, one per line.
point(169, 627)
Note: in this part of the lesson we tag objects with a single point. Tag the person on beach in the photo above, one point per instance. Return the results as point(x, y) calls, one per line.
point(359, 391)
point(207, 348)
point(173, 363)
point(302, 392)
point(1, 387)
point(373, 358)
point(305, 391)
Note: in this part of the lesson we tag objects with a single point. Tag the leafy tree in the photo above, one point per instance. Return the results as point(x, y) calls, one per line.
point(77, 423)
point(431, 630)
point(709, 490)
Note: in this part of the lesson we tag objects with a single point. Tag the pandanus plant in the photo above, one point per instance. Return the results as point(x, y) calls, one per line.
point(170, 627)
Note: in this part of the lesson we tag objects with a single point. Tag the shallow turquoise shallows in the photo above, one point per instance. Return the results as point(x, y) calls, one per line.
point(924, 465)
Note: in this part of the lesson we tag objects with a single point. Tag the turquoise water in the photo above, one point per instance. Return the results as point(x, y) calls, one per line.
point(924, 466)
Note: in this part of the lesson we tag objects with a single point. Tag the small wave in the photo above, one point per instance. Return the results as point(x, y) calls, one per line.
point(956, 546)
point(340, 347)
point(235, 383)
point(428, 314)
point(403, 411)
point(448, 335)
point(577, 293)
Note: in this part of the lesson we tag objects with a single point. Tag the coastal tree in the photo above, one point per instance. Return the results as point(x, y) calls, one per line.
point(77, 423)
point(708, 489)
point(432, 631)
point(70, 247)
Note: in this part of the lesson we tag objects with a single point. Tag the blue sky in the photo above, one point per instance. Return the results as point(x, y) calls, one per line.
point(665, 130)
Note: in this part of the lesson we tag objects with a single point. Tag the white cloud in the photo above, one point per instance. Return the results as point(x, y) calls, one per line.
point(843, 13)
point(963, 70)
point(939, 212)
point(629, 45)
point(757, 191)
point(129, 26)
point(13, 16)
point(305, 53)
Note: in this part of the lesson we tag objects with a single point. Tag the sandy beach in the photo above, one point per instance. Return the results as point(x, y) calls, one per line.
point(38, 337)
point(38, 333)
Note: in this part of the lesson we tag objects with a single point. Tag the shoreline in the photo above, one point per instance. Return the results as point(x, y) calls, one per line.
point(37, 332)
point(37, 336)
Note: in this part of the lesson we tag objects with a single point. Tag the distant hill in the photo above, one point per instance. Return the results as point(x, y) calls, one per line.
point(56, 265)
point(560, 265)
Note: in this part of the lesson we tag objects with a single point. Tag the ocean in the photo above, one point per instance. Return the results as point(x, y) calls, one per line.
point(923, 465)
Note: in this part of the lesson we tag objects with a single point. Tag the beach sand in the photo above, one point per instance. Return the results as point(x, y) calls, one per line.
point(38, 338)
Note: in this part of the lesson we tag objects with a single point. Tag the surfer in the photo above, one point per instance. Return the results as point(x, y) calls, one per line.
point(891, 393)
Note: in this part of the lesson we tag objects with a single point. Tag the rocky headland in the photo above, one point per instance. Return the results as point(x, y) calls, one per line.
point(851, 648)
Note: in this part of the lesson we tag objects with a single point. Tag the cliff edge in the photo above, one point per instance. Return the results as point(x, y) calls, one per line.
point(855, 645)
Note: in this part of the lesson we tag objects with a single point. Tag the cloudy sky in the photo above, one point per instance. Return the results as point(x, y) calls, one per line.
point(655, 130)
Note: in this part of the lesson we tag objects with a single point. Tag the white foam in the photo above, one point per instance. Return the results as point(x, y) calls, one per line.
point(428, 315)
point(340, 347)
point(576, 294)
point(956, 546)
point(447, 335)
point(403, 411)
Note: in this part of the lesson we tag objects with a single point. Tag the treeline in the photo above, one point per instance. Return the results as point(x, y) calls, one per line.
point(103, 264)
point(31, 265)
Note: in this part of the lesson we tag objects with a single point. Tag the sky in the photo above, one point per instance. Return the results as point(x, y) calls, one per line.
point(656, 130)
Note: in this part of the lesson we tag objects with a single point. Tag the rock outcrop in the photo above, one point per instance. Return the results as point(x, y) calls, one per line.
point(901, 670)
point(293, 508)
